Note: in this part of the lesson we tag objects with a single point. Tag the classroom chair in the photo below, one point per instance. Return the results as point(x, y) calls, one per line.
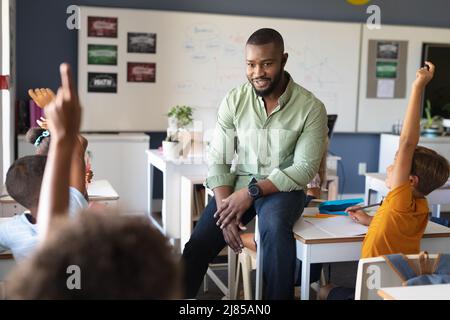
point(247, 263)
point(375, 273)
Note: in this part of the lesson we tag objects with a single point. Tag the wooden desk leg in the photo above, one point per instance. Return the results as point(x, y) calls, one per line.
point(232, 258)
point(149, 189)
point(367, 191)
point(171, 209)
point(304, 295)
point(333, 189)
point(259, 266)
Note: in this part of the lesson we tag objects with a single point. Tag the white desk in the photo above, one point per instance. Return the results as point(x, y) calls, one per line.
point(117, 158)
point(99, 191)
point(375, 183)
point(316, 246)
point(428, 292)
point(172, 172)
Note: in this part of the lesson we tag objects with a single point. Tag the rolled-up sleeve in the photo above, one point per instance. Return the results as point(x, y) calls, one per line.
point(308, 152)
point(222, 149)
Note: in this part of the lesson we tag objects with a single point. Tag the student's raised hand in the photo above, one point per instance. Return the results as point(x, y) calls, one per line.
point(82, 144)
point(42, 122)
point(42, 97)
point(424, 75)
point(89, 176)
point(64, 112)
point(359, 216)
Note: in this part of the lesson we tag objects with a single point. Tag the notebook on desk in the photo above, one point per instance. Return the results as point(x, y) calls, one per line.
point(338, 227)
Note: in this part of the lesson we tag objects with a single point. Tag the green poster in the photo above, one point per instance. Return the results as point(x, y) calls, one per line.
point(386, 69)
point(102, 54)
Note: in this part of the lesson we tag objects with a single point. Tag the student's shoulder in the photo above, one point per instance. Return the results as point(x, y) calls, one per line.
point(400, 191)
point(7, 222)
point(13, 225)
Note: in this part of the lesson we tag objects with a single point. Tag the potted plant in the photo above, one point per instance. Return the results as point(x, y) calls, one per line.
point(171, 146)
point(180, 117)
point(432, 126)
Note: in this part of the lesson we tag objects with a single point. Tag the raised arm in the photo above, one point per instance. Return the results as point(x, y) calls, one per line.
point(78, 165)
point(410, 135)
point(64, 114)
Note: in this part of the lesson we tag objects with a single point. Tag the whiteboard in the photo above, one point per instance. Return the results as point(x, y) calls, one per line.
point(199, 57)
point(378, 115)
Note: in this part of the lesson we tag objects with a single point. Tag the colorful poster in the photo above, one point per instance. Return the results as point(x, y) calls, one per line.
point(102, 27)
point(102, 54)
point(387, 50)
point(386, 69)
point(102, 82)
point(141, 42)
point(141, 72)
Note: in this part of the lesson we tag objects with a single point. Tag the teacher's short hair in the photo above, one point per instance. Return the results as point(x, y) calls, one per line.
point(265, 36)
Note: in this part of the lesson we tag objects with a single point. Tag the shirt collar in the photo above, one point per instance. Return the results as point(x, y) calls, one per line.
point(284, 98)
point(286, 95)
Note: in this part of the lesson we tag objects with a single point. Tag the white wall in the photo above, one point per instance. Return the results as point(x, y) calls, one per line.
point(1, 104)
point(8, 68)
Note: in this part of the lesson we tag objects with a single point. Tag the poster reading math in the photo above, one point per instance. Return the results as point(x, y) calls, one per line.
point(102, 82)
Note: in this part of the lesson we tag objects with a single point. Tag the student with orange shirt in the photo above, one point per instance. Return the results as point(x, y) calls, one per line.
point(400, 222)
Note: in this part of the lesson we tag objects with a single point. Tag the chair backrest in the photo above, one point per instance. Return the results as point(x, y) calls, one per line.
point(375, 273)
point(331, 122)
point(7, 263)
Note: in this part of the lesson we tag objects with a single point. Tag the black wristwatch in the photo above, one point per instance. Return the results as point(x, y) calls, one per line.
point(253, 190)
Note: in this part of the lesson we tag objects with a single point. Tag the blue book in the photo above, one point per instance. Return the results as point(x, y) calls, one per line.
point(338, 206)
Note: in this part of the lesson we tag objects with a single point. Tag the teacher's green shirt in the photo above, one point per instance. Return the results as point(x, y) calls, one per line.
point(285, 147)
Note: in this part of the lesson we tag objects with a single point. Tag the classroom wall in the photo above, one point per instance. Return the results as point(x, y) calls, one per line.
point(43, 42)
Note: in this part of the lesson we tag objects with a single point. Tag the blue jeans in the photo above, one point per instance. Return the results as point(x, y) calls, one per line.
point(277, 214)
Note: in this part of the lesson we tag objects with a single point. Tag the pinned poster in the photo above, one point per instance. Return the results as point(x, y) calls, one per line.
point(102, 54)
point(102, 82)
point(103, 27)
point(4, 82)
point(141, 72)
point(386, 69)
point(385, 88)
point(141, 42)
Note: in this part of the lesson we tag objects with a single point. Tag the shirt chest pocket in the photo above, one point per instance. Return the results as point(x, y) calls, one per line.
point(284, 141)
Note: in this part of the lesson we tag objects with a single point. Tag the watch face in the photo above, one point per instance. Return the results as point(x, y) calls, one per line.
point(254, 191)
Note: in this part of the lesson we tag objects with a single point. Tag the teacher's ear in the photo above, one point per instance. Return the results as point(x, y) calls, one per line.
point(284, 59)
